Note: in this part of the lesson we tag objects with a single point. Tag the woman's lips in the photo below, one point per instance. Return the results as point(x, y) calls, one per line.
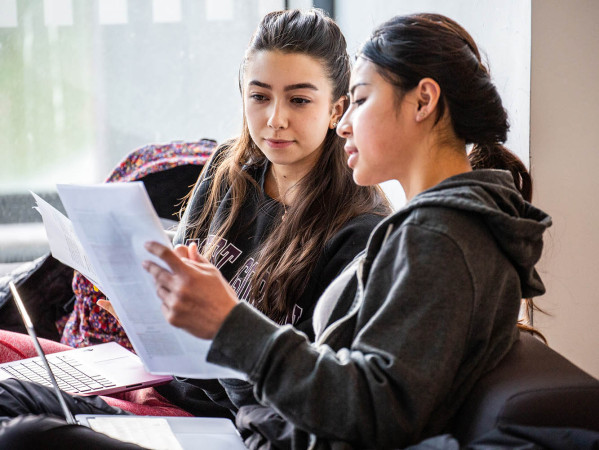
point(352, 153)
point(278, 143)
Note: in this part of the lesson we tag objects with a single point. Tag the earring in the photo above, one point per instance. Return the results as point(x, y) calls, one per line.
point(334, 125)
point(422, 115)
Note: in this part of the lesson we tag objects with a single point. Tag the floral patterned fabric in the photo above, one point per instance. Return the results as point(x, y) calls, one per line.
point(88, 323)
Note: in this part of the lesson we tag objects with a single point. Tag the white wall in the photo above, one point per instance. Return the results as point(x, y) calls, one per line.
point(500, 28)
point(565, 164)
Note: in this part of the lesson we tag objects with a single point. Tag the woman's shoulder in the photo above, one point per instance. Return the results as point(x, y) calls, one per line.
point(358, 225)
point(353, 236)
point(221, 153)
point(460, 228)
point(443, 219)
point(365, 220)
point(436, 234)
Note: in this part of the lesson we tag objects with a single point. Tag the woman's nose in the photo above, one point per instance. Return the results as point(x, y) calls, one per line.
point(277, 117)
point(344, 129)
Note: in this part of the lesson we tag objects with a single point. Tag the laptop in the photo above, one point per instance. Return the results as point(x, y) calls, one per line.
point(153, 432)
point(186, 433)
point(96, 370)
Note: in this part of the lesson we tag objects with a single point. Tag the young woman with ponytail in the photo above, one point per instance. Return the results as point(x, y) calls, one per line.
point(439, 284)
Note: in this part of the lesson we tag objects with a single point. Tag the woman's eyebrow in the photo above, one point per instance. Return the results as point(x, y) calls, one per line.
point(293, 87)
point(260, 84)
point(353, 88)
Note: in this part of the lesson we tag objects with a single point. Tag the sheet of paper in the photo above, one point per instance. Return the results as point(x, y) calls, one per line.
point(64, 243)
point(113, 221)
point(152, 433)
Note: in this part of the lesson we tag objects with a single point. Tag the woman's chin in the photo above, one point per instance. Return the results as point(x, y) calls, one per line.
point(366, 178)
point(362, 180)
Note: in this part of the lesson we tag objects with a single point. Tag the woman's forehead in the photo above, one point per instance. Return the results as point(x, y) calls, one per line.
point(279, 69)
point(363, 72)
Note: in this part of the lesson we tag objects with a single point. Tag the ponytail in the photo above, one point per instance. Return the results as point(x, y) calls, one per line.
point(496, 156)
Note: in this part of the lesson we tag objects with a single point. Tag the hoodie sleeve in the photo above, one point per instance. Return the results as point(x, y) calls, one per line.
point(338, 252)
point(381, 389)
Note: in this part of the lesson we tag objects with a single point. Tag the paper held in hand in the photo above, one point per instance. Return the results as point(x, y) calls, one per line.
point(104, 240)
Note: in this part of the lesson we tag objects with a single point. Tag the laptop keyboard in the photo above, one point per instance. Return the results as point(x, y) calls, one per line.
point(68, 376)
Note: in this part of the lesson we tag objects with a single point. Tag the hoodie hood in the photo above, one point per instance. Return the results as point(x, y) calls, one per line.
point(516, 225)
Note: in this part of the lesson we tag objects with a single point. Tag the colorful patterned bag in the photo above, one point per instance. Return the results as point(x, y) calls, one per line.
point(168, 172)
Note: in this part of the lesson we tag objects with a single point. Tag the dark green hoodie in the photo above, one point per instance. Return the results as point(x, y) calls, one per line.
point(439, 290)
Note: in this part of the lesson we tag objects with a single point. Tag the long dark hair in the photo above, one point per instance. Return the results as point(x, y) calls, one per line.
point(407, 49)
point(326, 197)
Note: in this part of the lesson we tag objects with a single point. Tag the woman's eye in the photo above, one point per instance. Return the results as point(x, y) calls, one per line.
point(300, 101)
point(258, 97)
point(359, 101)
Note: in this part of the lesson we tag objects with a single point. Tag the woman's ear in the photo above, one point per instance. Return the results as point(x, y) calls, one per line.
point(337, 111)
point(427, 96)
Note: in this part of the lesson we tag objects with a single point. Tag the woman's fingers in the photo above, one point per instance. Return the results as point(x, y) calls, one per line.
point(181, 251)
point(165, 254)
point(194, 254)
point(106, 305)
point(161, 276)
point(164, 295)
point(195, 296)
point(175, 259)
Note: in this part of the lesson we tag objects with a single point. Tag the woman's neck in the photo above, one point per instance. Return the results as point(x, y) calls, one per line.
point(435, 166)
point(279, 183)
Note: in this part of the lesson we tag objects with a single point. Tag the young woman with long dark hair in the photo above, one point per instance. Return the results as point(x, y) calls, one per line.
point(275, 209)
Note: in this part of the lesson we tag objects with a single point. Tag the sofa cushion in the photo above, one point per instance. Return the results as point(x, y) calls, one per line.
point(533, 385)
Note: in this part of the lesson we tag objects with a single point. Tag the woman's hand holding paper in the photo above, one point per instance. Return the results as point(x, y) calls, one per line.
point(195, 296)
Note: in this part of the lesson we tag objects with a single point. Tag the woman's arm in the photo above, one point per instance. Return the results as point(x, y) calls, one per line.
point(380, 389)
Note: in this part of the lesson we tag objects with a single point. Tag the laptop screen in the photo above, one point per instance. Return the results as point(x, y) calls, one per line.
point(38, 348)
